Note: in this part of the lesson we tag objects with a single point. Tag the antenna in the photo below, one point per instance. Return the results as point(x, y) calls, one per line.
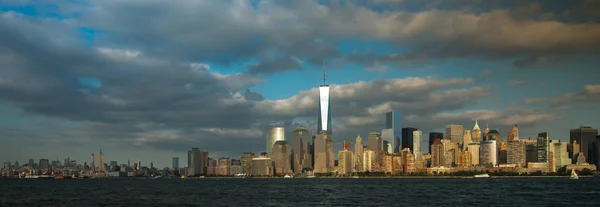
point(324, 72)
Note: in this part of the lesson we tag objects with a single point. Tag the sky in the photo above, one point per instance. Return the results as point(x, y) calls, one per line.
point(148, 79)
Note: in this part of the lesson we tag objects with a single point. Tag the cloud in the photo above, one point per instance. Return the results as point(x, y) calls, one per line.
point(589, 93)
point(276, 66)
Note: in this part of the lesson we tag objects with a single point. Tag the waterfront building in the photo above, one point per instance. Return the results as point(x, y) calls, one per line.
point(408, 137)
point(324, 161)
point(408, 161)
point(585, 136)
point(374, 143)
point(392, 133)
point(262, 166)
point(433, 136)
point(417, 137)
point(543, 141)
point(476, 133)
point(437, 153)
point(488, 153)
point(467, 139)
point(281, 158)
point(464, 159)
point(236, 167)
point(92, 165)
point(246, 161)
point(345, 162)
point(561, 156)
point(393, 163)
point(300, 136)
point(455, 133)
point(473, 148)
point(212, 167)
point(530, 150)
point(224, 167)
point(368, 160)
point(273, 135)
point(176, 163)
point(538, 166)
point(45, 163)
point(516, 153)
point(358, 153)
point(451, 151)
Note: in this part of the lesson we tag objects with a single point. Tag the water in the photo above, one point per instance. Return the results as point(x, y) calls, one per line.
point(303, 192)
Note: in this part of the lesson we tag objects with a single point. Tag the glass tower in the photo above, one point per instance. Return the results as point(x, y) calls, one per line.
point(324, 119)
point(392, 132)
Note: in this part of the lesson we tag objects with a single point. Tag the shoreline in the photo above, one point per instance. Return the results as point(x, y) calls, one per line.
point(375, 177)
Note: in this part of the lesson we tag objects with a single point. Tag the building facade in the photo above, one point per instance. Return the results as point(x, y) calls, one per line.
point(324, 162)
point(262, 166)
point(516, 153)
point(299, 138)
point(488, 154)
point(246, 162)
point(374, 143)
point(281, 158)
point(358, 153)
point(455, 133)
point(407, 138)
point(417, 139)
point(392, 133)
point(476, 133)
point(585, 136)
point(473, 148)
point(543, 142)
point(433, 136)
point(345, 162)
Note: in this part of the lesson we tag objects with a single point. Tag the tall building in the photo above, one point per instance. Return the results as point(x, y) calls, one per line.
point(374, 143)
point(92, 166)
point(407, 138)
point(246, 161)
point(176, 163)
point(324, 161)
point(194, 162)
point(236, 167)
point(345, 162)
point(45, 163)
point(488, 153)
point(281, 158)
point(451, 151)
point(101, 166)
point(274, 135)
point(584, 135)
point(455, 133)
point(476, 133)
point(543, 142)
point(368, 160)
point(437, 153)
point(516, 153)
point(324, 119)
point(31, 164)
point(224, 167)
point(417, 137)
point(358, 152)
point(561, 156)
point(433, 136)
point(530, 151)
point(473, 148)
point(300, 136)
point(392, 133)
point(467, 138)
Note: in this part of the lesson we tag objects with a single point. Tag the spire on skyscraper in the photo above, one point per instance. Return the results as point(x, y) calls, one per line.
point(476, 125)
point(324, 73)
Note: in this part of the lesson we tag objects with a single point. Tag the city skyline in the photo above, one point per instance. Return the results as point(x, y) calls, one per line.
point(76, 81)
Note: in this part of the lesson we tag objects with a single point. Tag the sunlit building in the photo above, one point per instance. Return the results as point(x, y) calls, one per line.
point(437, 153)
point(262, 166)
point(417, 139)
point(345, 162)
point(274, 135)
point(433, 136)
point(374, 143)
point(368, 160)
point(516, 153)
point(246, 162)
point(324, 157)
point(455, 133)
point(473, 148)
point(299, 138)
point(543, 142)
point(488, 153)
point(392, 133)
point(224, 168)
point(358, 153)
point(476, 133)
point(467, 138)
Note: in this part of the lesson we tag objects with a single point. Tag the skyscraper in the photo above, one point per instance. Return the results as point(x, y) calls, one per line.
point(374, 143)
point(488, 153)
point(246, 162)
point(467, 138)
point(323, 153)
point(437, 153)
point(392, 133)
point(176, 163)
point(516, 153)
point(281, 157)
point(345, 160)
point(473, 148)
point(455, 133)
point(274, 135)
point(358, 152)
point(92, 166)
point(101, 162)
point(407, 137)
point(300, 136)
point(433, 136)
point(368, 160)
point(543, 142)
point(584, 135)
point(417, 137)
point(476, 133)
point(194, 162)
point(324, 119)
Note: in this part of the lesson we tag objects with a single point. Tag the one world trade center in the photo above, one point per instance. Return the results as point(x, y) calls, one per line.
point(324, 120)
